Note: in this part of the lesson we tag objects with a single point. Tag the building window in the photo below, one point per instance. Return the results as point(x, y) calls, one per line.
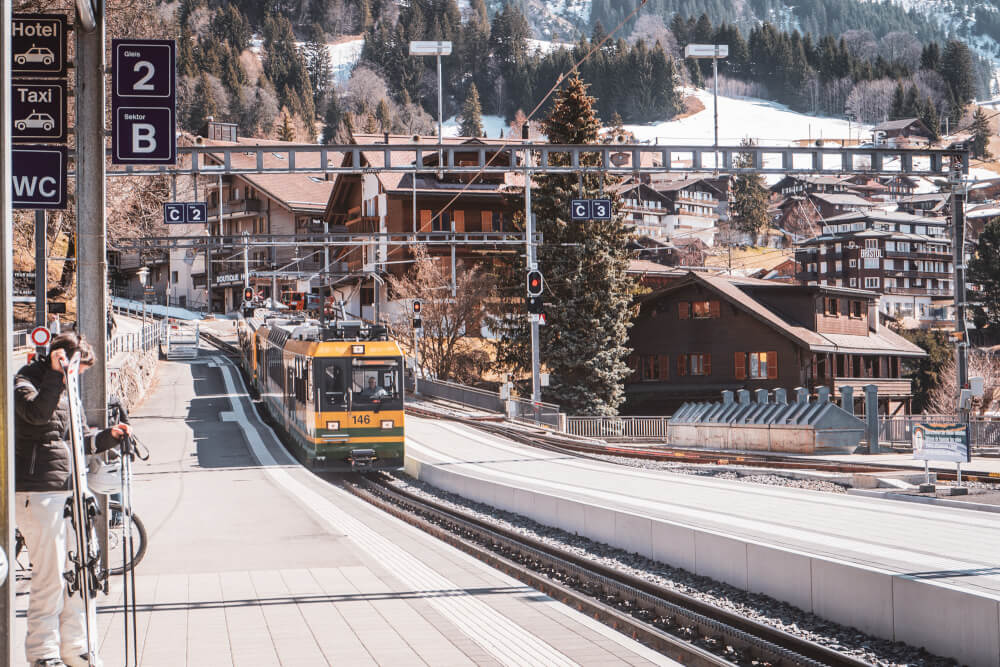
point(173, 277)
point(856, 307)
point(703, 310)
point(853, 282)
point(853, 263)
point(890, 265)
point(822, 267)
point(653, 367)
point(890, 246)
point(838, 266)
point(871, 283)
point(830, 306)
point(871, 262)
point(694, 364)
point(756, 365)
point(871, 243)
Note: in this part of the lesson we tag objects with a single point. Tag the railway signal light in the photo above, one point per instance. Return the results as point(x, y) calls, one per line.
point(248, 294)
point(534, 283)
point(417, 322)
point(536, 305)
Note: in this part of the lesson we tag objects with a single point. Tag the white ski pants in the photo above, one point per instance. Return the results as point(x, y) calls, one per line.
point(56, 621)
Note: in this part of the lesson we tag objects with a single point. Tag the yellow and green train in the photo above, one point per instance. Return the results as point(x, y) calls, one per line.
point(335, 393)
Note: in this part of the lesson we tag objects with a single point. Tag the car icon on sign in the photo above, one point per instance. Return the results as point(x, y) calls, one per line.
point(36, 54)
point(35, 120)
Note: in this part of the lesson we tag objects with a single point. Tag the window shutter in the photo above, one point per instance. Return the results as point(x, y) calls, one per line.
point(772, 365)
point(425, 221)
point(683, 310)
point(740, 365)
point(459, 221)
point(707, 368)
point(715, 310)
point(682, 364)
point(664, 366)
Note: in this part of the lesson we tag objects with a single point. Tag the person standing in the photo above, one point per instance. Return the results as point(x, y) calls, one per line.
point(54, 325)
point(43, 483)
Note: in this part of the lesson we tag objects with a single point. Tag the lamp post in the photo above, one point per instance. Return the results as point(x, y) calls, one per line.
point(715, 52)
point(143, 274)
point(434, 49)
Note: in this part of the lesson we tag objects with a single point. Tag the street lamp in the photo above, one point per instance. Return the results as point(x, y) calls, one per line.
point(715, 52)
point(142, 274)
point(434, 49)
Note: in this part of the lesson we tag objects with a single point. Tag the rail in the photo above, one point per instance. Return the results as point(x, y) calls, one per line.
point(459, 393)
point(539, 413)
point(653, 428)
point(147, 338)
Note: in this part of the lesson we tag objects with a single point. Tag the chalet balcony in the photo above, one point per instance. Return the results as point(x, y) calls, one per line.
point(682, 197)
point(917, 291)
point(235, 207)
point(891, 387)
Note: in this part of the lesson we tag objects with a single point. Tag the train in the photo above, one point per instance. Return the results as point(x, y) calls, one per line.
point(333, 392)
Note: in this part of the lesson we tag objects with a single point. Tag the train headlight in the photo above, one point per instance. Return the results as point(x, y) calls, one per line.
point(386, 423)
point(357, 349)
point(333, 426)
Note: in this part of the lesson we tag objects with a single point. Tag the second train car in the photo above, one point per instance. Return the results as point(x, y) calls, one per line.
point(335, 392)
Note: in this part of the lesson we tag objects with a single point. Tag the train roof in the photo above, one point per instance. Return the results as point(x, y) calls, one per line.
point(310, 336)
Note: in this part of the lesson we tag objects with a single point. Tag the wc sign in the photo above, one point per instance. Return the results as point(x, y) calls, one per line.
point(143, 107)
point(39, 176)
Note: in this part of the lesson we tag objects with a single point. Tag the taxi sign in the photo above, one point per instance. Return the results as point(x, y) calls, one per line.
point(40, 336)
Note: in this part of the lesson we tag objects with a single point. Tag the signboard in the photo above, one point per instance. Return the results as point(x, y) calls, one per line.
point(579, 209)
point(38, 44)
point(39, 110)
point(39, 176)
point(706, 51)
point(600, 209)
point(143, 112)
point(871, 253)
point(185, 213)
point(590, 209)
point(229, 279)
point(40, 336)
point(941, 442)
point(24, 283)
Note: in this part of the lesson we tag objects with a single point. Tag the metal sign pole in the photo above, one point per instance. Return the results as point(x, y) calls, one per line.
point(958, 256)
point(41, 269)
point(529, 231)
point(6, 343)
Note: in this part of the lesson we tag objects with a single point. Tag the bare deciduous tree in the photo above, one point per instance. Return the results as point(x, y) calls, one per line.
point(446, 349)
point(870, 101)
point(943, 398)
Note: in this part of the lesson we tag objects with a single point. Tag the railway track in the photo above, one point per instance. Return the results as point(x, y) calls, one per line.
point(680, 626)
point(580, 447)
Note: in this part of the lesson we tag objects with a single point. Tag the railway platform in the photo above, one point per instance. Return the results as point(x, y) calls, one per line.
point(254, 560)
point(924, 575)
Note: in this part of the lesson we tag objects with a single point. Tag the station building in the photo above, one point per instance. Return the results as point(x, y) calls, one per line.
point(704, 333)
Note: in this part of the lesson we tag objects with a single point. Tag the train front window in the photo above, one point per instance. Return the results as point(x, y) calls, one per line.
point(331, 382)
point(376, 383)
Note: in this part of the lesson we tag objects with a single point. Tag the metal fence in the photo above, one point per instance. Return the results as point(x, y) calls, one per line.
point(143, 340)
point(21, 341)
point(652, 428)
point(543, 414)
point(983, 431)
point(459, 393)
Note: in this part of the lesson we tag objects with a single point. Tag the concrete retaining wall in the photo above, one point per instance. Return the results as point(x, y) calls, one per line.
point(745, 437)
point(946, 621)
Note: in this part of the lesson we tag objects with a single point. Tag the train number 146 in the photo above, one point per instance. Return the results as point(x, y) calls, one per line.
point(361, 419)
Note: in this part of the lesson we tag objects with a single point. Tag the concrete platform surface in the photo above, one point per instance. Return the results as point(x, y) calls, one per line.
point(255, 561)
point(887, 567)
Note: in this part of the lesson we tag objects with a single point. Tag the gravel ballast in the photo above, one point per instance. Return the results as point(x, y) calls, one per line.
point(758, 607)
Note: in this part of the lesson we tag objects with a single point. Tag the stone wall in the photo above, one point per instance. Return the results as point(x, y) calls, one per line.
point(130, 374)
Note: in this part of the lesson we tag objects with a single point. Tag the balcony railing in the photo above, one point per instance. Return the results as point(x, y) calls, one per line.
point(917, 291)
point(235, 207)
point(886, 386)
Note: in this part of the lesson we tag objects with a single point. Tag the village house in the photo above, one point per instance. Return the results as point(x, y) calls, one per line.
point(704, 333)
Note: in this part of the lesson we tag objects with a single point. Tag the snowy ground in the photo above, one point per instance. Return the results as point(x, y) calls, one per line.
point(770, 123)
point(491, 124)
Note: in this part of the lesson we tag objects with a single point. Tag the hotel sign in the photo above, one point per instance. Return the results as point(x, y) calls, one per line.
point(871, 253)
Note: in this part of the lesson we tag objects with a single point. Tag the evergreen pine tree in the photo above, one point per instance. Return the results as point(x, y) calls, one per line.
point(748, 204)
point(984, 271)
point(331, 118)
point(204, 105)
point(287, 131)
point(472, 115)
point(898, 100)
point(981, 134)
point(318, 65)
point(929, 116)
point(587, 292)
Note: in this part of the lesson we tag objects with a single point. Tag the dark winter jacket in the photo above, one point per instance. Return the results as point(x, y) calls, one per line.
point(42, 460)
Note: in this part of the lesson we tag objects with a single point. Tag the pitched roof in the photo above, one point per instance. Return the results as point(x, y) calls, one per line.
point(900, 124)
point(307, 193)
point(842, 199)
point(879, 342)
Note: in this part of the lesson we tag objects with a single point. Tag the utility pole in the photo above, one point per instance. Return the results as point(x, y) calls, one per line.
point(958, 255)
point(6, 343)
point(91, 278)
point(529, 232)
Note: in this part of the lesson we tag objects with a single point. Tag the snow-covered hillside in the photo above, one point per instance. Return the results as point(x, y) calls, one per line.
point(770, 123)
